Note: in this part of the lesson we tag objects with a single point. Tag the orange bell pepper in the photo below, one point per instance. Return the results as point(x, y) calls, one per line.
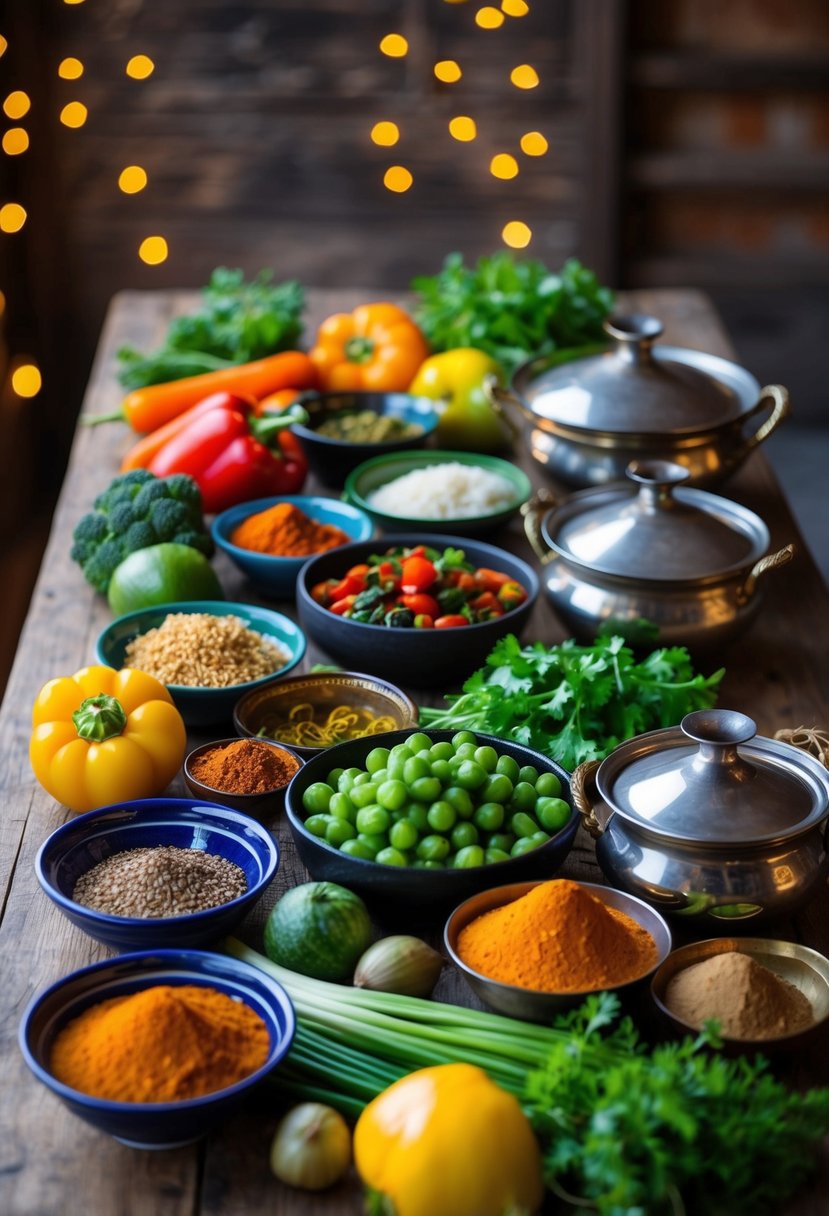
point(375, 348)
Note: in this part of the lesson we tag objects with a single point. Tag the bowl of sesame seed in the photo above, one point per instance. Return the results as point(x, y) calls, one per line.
point(157, 872)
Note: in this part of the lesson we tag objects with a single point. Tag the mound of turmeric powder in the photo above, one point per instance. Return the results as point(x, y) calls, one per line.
point(283, 530)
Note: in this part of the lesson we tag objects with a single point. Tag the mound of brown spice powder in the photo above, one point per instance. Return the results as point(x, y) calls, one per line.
point(747, 999)
point(246, 766)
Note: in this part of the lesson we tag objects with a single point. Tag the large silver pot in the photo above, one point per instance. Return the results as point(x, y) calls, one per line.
point(590, 416)
point(708, 821)
point(652, 561)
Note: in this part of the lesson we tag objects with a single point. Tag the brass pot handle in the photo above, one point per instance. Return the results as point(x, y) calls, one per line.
point(780, 411)
point(772, 561)
point(582, 790)
point(496, 396)
point(533, 511)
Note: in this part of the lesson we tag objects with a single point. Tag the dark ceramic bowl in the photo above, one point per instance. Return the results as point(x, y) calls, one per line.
point(422, 658)
point(264, 807)
point(530, 1004)
point(158, 1124)
point(333, 459)
point(185, 823)
point(427, 894)
point(262, 708)
point(203, 706)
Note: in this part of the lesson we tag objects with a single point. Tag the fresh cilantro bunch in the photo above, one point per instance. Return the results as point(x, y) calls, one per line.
point(511, 308)
point(628, 1130)
point(573, 702)
point(236, 323)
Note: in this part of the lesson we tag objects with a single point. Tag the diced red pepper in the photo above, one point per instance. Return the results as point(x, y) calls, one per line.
point(486, 606)
point(321, 592)
point(424, 621)
point(360, 569)
point(452, 621)
point(418, 575)
point(342, 606)
point(350, 585)
point(511, 595)
point(490, 580)
point(421, 604)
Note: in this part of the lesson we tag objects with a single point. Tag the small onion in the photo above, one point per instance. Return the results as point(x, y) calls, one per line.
point(400, 964)
point(311, 1148)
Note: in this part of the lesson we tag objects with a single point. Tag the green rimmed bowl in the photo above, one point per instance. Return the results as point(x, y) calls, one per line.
point(371, 475)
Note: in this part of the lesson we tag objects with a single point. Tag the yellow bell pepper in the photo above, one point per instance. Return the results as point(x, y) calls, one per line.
point(448, 1140)
point(103, 736)
point(376, 348)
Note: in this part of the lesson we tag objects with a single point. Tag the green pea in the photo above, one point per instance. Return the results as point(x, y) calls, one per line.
point(403, 834)
point(357, 848)
point(522, 846)
point(363, 795)
point(529, 773)
point(400, 751)
point(522, 797)
point(508, 767)
point(539, 838)
point(317, 824)
point(552, 813)
point(346, 779)
point(492, 855)
point(466, 751)
point(425, 789)
point(415, 768)
point(418, 742)
point(463, 835)
point(487, 757)
point(391, 857)
point(442, 770)
point(373, 820)
point(339, 831)
point(548, 785)
point(380, 776)
point(460, 800)
point(502, 841)
point(395, 767)
point(441, 751)
point(433, 848)
point(497, 788)
point(377, 758)
point(489, 816)
point(470, 775)
point(441, 816)
point(463, 736)
point(472, 855)
point(317, 798)
point(418, 814)
point(521, 824)
point(373, 842)
point(334, 777)
point(341, 807)
point(362, 779)
point(392, 795)
point(428, 864)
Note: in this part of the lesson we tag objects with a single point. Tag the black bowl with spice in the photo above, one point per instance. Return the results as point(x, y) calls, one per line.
point(250, 775)
point(172, 872)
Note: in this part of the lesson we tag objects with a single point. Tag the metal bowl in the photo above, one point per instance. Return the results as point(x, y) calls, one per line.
point(590, 416)
point(806, 969)
point(657, 563)
point(527, 1003)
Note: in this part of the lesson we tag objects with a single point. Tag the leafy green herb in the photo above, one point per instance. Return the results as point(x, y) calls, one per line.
point(236, 323)
point(511, 308)
point(573, 702)
point(668, 1130)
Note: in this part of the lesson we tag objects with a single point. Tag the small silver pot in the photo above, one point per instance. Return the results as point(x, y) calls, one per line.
point(590, 416)
point(708, 821)
point(652, 561)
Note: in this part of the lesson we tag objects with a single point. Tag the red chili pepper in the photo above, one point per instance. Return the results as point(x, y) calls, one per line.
point(452, 621)
point(223, 450)
point(418, 574)
point(421, 604)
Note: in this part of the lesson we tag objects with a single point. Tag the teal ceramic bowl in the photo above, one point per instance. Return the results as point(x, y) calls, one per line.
point(370, 476)
point(203, 706)
point(276, 576)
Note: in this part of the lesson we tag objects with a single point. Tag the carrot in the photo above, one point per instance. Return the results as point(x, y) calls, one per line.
point(147, 409)
point(141, 454)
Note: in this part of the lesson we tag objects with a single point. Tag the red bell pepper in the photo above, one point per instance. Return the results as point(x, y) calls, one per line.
point(225, 450)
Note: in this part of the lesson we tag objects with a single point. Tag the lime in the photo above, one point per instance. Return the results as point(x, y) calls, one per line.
point(162, 574)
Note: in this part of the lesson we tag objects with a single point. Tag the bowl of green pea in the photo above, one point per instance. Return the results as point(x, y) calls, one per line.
point(416, 821)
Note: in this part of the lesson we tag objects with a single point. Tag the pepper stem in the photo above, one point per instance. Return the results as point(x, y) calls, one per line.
point(99, 718)
point(358, 350)
point(268, 425)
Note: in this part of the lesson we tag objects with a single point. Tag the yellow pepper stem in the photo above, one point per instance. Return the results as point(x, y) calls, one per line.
point(99, 718)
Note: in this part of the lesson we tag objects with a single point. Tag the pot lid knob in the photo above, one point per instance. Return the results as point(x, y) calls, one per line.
point(718, 732)
point(633, 335)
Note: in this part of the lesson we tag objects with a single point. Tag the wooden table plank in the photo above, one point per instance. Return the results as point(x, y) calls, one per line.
point(51, 1161)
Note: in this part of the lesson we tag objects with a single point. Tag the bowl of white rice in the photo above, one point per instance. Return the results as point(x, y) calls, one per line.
point(460, 492)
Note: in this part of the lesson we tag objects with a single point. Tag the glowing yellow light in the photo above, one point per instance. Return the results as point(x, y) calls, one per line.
point(524, 76)
point(516, 234)
point(394, 45)
point(504, 166)
point(16, 104)
point(386, 134)
point(15, 141)
point(463, 128)
point(398, 179)
point(132, 179)
point(515, 8)
point(73, 1)
point(70, 69)
point(140, 67)
point(489, 18)
point(448, 71)
point(2, 303)
point(12, 217)
point(74, 114)
point(153, 250)
point(26, 380)
point(534, 144)
point(3, 45)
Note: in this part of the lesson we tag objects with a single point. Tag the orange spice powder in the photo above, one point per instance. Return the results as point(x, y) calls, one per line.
point(285, 531)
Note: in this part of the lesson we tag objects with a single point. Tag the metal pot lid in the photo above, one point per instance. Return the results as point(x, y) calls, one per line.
point(713, 780)
point(647, 528)
point(637, 387)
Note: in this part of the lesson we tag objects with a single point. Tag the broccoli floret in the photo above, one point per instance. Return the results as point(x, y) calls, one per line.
point(168, 517)
point(202, 541)
point(90, 530)
point(99, 566)
point(121, 518)
point(136, 477)
point(185, 489)
point(149, 493)
point(122, 489)
point(138, 536)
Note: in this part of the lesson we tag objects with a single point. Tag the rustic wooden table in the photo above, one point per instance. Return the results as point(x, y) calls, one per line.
point(50, 1161)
